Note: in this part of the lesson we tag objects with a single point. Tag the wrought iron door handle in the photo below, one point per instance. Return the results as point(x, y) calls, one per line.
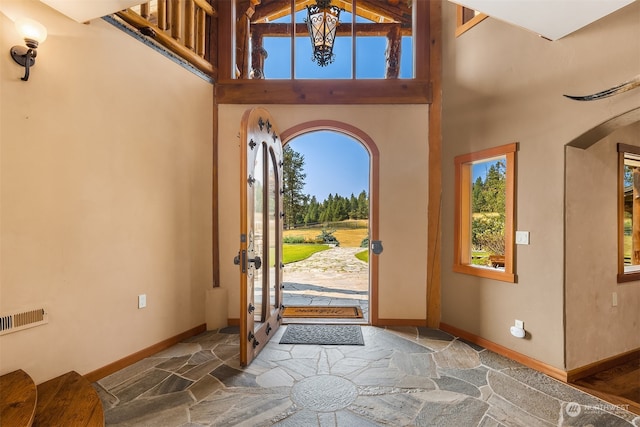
point(257, 262)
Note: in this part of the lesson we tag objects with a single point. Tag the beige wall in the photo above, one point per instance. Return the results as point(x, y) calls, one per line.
point(503, 84)
point(595, 328)
point(400, 133)
point(105, 194)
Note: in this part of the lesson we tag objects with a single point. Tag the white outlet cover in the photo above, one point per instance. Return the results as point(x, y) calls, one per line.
point(142, 301)
point(518, 332)
point(522, 237)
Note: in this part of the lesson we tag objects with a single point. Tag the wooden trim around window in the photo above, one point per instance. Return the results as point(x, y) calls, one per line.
point(317, 92)
point(461, 26)
point(462, 219)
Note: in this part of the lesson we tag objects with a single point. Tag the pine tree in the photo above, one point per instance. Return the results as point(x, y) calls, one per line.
point(363, 205)
point(293, 182)
point(353, 207)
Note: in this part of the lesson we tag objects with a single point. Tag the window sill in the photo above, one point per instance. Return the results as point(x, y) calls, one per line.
point(628, 277)
point(487, 273)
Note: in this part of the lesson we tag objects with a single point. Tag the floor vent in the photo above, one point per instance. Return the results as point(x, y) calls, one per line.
point(23, 320)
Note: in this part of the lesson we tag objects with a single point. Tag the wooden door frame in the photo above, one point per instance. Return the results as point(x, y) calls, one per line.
point(431, 43)
point(374, 188)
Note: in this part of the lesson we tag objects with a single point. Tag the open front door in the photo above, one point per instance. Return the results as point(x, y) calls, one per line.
point(260, 256)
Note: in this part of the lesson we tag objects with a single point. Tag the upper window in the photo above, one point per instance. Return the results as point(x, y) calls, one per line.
point(375, 42)
point(484, 213)
point(629, 213)
point(467, 18)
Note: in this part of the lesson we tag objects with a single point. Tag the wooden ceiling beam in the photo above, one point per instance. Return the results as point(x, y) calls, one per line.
point(314, 92)
point(397, 13)
point(376, 10)
point(268, 11)
point(344, 29)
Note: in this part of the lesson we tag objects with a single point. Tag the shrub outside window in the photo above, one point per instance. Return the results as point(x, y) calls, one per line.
point(628, 213)
point(484, 213)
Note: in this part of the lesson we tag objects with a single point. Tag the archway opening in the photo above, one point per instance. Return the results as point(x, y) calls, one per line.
point(327, 227)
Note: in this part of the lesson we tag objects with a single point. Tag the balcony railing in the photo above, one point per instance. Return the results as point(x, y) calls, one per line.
point(181, 26)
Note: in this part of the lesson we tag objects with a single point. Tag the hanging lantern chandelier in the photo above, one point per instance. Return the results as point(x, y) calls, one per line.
point(322, 21)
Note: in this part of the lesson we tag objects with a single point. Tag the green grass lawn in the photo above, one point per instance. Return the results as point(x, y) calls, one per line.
point(363, 256)
point(292, 253)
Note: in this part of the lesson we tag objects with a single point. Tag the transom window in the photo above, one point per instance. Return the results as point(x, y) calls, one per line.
point(484, 221)
point(375, 42)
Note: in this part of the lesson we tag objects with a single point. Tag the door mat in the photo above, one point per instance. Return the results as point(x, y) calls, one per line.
point(323, 334)
point(344, 312)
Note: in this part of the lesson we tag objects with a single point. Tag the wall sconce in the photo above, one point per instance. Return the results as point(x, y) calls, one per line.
point(33, 34)
point(322, 21)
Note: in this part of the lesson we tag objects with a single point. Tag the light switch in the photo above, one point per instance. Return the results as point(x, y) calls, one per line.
point(522, 237)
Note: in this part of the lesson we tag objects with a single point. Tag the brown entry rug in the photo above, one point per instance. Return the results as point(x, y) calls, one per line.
point(345, 312)
point(323, 334)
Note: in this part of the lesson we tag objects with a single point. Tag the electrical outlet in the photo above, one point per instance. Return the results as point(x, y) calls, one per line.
point(522, 237)
point(142, 301)
point(519, 324)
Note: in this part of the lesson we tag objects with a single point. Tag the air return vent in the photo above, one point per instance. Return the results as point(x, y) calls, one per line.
point(23, 320)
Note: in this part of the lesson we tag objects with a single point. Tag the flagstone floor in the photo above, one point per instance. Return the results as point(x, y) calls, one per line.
point(400, 377)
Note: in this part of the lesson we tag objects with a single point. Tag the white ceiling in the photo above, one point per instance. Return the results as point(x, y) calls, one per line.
point(552, 19)
point(86, 10)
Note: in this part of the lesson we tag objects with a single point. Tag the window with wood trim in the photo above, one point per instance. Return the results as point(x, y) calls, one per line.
point(484, 213)
point(628, 213)
point(467, 18)
point(374, 40)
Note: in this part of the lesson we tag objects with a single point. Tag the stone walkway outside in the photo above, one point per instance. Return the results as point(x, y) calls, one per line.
point(331, 277)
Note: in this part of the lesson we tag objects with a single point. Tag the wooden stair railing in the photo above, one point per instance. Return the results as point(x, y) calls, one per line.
point(181, 26)
point(18, 396)
point(67, 400)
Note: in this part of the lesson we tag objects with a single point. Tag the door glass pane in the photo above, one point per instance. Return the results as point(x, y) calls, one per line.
point(631, 225)
point(258, 233)
point(273, 232)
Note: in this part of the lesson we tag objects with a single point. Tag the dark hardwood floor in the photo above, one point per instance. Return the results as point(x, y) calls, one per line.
point(619, 385)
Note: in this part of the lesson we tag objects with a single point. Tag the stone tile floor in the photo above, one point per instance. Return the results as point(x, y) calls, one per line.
point(400, 377)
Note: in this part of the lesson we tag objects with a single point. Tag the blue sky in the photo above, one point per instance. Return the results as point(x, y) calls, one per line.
point(334, 162)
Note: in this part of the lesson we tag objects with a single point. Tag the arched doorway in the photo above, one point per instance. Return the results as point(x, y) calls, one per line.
point(366, 141)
